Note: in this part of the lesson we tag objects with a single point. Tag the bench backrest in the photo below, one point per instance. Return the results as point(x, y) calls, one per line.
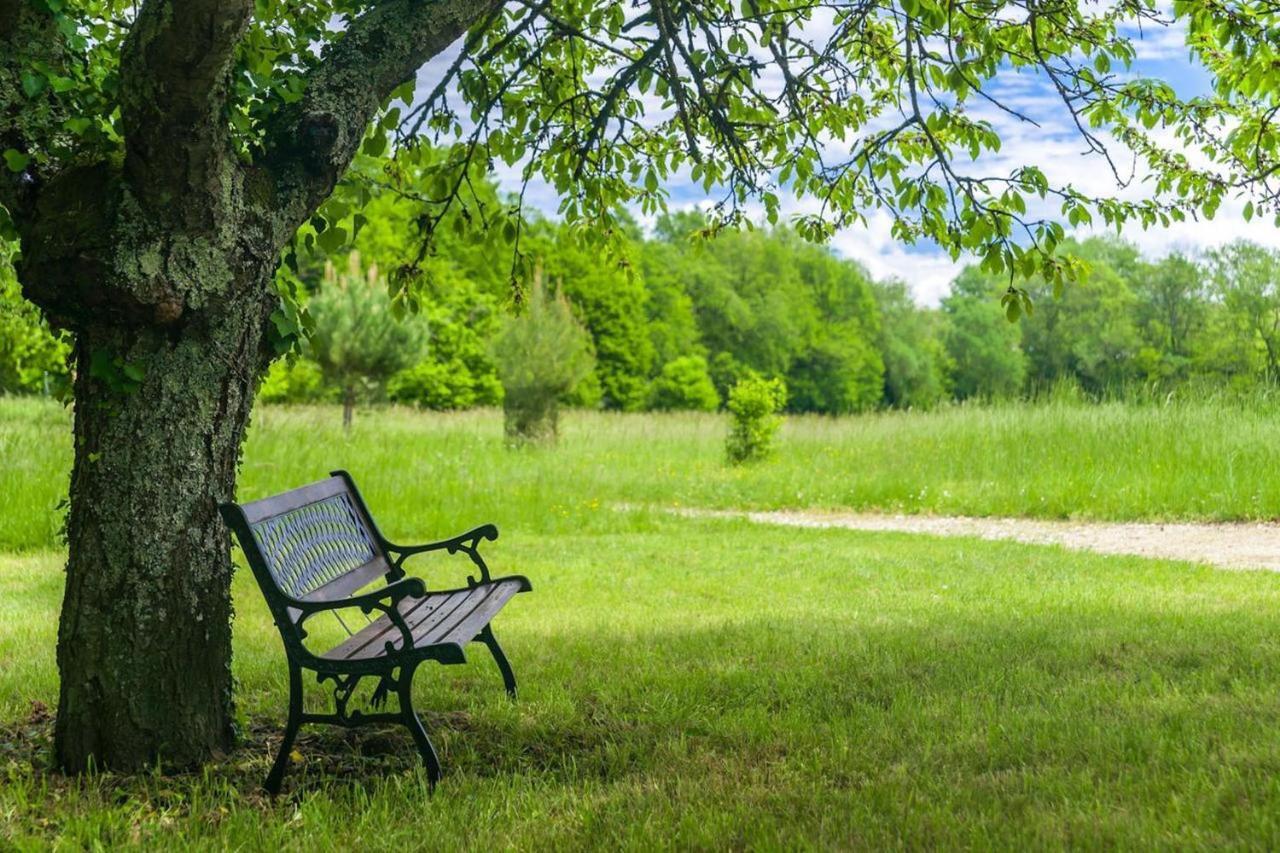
point(316, 542)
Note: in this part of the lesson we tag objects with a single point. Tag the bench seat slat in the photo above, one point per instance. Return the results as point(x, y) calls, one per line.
point(435, 619)
point(472, 623)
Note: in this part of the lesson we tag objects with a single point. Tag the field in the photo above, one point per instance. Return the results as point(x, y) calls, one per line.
point(710, 683)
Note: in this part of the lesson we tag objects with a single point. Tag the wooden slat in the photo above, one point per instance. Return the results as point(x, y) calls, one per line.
point(460, 603)
point(261, 510)
point(344, 585)
point(464, 630)
point(435, 619)
point(368, 642)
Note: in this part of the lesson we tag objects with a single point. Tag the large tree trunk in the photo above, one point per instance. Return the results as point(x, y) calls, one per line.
point(144, 646)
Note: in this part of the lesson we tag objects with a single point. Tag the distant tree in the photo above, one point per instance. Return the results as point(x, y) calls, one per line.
point(913, 354)
point(982, 347)
point(457, 370)
point(32, 358)
point(1087, 333)
point(669, 310)
point(541, 354)
point(684, 383)
point(357, 341)
point(611, 304)
point(839, 373)
point(1246, 277)
point(1172, 310)
point(297, 380)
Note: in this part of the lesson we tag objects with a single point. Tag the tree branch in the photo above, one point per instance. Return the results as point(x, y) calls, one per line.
point(311, 143)
point(175, 72)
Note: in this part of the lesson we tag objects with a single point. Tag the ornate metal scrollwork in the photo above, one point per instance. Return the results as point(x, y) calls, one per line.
point(344, 688)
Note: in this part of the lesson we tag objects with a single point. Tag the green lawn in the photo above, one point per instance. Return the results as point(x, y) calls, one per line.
point(710, 684)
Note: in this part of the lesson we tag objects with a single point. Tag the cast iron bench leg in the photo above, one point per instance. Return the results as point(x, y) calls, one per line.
point(276, 776)
point(508, 677)
point(411, 721)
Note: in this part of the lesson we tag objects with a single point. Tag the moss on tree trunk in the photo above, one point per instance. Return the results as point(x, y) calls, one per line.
point(144, 646)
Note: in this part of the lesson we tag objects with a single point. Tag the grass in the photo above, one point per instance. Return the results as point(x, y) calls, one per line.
point(697, 683)
point(430, 472)
point(716, 684)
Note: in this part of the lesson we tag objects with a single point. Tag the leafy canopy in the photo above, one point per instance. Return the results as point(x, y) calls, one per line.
point(855, 106)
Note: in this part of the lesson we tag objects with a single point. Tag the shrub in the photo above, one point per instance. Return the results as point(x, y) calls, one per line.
point(444, 386)
point(296, 381)
point(541, 355)
point(754, 404)
point(356, 341)
point(33, 360)
point(684, 383)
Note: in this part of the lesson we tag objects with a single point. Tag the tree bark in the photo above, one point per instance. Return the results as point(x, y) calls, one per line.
point(144, 645)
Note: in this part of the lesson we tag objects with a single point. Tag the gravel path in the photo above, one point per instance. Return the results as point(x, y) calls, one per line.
point(1228, 546)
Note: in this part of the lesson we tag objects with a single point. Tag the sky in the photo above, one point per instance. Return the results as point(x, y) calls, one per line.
point(1054, 145)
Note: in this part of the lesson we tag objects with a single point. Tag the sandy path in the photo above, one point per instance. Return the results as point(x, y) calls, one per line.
point(1228, 546)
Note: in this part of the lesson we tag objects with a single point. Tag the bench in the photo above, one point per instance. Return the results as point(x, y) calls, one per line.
point(316, 550)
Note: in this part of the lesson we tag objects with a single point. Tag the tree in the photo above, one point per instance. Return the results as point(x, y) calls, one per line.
point(161, 157)
point(541, 355)
point(914, 358)
point(1172, 312)
point(355, 340)
point(982, 347)
point(1088, 334)
point(611, 305)
point(31, 359)
point(1247, 278)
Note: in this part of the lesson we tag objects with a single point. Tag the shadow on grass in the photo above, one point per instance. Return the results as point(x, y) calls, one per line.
point(1156, 702)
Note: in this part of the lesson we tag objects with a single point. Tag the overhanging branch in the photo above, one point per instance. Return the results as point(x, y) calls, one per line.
point(311, 143)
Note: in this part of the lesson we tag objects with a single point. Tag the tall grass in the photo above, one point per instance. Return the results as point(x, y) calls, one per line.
point(428, 473)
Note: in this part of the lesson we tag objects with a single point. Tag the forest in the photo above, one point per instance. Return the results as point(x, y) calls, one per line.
point(682, 316)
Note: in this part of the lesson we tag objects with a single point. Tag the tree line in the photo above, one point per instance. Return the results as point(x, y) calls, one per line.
point(682, 318)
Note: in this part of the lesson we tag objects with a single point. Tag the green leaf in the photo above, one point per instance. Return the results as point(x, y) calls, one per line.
point(33, 84)
point(332, 240)
point(16, 160)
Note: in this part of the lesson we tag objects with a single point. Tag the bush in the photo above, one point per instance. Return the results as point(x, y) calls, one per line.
point(684, 383)
point(541, 355)
point(754, 404)
point(444, 386)
point(296, 381)
point(356, 341)
point(33, 360)
point(458, 371)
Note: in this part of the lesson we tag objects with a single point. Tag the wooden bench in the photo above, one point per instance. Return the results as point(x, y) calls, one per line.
point(315, 550)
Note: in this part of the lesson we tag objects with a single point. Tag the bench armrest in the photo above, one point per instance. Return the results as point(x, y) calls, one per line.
point(367, 603)
point(468, 543)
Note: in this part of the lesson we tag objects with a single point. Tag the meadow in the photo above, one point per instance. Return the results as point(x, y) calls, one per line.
point(700, 683)
point(1212, 459)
